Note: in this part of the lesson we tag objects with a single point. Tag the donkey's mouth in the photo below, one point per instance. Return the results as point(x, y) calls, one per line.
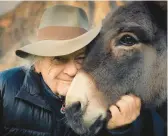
point(74, 116)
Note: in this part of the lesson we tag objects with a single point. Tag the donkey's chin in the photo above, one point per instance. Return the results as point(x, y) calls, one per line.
point(81, 122)
point(84, 128)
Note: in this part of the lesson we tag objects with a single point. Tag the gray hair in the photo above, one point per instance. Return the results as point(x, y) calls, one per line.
point(30, 61)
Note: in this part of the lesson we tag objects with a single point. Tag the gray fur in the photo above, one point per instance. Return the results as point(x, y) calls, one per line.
point(127, 74)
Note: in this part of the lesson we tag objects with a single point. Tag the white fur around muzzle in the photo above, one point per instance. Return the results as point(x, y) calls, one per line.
point(83, 90)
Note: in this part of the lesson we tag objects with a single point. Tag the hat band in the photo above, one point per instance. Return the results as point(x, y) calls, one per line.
point(59, 33)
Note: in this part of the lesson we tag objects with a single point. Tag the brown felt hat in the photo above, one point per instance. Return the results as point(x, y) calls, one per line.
point(63, 30)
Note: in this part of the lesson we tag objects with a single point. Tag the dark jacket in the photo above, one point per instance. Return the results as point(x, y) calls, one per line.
point(24, 110)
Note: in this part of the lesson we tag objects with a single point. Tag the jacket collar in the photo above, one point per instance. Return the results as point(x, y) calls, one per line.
point(30, 90)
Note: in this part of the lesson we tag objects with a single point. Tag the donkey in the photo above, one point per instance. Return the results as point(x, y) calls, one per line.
point(128, 56)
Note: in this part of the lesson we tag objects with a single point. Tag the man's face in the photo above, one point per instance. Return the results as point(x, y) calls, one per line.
point(58, 72)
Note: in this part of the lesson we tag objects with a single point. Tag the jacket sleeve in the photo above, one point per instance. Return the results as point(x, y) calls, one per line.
point(123, 131)
point(1, 112)
point(1, 104)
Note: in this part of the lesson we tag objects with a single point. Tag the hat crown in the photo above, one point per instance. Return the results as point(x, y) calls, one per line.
point(63, 30)
point(64, 15)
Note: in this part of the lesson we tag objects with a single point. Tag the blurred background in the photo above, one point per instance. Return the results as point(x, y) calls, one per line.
point(19, 21)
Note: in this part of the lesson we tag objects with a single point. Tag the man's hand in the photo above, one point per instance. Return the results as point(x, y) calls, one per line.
point(126, 110)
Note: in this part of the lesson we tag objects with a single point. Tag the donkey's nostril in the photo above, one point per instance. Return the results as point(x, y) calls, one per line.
point(74, 108)
point(77, 106)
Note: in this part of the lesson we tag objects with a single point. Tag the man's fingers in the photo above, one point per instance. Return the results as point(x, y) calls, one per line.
point(128, 98)
point(123, 106)
point(138, 102)
point(114, 111)
point(131, 105)
point(126, 110)
point(133, 100)
point(134, 104)
point(115, 116)
point(137, 99)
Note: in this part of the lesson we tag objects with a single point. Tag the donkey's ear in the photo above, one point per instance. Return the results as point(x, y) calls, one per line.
point(161, 4)
point(158, 10)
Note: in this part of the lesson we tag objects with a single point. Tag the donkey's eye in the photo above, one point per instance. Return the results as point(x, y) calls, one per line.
point(127, 40)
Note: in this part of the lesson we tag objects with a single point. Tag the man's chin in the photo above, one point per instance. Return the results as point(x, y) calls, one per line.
point(62, 90)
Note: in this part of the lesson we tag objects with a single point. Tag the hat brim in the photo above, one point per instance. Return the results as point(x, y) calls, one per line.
point(58, 47)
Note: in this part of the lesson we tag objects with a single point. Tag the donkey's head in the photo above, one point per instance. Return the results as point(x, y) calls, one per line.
point(128, 56)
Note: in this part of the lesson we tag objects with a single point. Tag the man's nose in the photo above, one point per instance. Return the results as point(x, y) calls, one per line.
point(71, 68)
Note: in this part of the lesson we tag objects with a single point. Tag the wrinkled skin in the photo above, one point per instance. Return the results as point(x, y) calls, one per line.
point(128, 56)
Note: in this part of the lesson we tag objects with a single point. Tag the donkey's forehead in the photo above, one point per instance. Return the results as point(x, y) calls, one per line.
point(135, 15)
point(136, 11)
